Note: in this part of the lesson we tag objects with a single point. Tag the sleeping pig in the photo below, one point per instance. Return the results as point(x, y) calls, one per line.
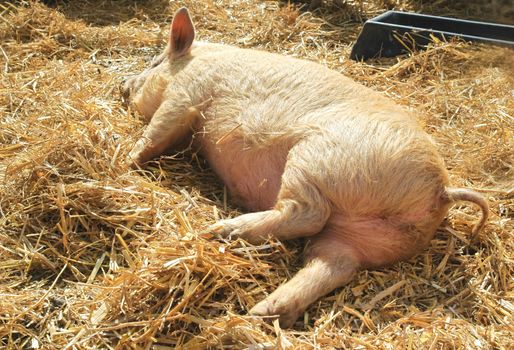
point(309, 152)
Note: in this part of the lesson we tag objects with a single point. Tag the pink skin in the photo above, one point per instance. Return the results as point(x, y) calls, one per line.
point(310, 152)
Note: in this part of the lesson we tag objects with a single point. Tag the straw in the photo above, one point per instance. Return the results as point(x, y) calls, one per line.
point(94, 255)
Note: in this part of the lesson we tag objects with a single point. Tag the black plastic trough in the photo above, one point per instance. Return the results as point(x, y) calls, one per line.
point(393, 33)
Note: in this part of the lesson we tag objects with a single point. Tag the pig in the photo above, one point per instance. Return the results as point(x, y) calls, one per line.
point(307, 151)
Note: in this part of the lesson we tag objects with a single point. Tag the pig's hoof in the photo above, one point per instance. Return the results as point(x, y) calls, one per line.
point(232, 230)
point(139, 153)
point(225, 229)
point(273, 308)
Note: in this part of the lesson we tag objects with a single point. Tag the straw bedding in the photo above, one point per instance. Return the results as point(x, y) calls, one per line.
point(94, 255)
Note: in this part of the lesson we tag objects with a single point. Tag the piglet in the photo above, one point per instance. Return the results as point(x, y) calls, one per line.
point(309, 152)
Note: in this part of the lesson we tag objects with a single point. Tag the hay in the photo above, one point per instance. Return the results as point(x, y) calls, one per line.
point(94, 255)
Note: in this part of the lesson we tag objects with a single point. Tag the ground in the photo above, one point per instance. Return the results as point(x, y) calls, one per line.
point(94, 255)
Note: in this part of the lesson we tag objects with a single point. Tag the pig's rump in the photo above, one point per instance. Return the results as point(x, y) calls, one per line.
point(380, 174)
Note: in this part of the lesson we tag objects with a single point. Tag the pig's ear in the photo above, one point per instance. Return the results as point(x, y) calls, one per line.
point(182, 33)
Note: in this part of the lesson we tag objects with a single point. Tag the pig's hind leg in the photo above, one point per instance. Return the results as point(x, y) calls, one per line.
point(300, 211)
point(169, 126)
point(329, 264)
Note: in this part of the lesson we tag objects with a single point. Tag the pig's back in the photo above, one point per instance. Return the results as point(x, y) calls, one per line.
point(267, 95)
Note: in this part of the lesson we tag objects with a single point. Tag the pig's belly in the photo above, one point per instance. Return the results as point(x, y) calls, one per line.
point(252, 176)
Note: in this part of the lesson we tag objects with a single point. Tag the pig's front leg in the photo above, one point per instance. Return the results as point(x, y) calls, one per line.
point(329, 264)
point(169, 125)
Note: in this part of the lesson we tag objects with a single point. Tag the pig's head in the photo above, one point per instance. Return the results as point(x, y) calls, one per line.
point(144, 91)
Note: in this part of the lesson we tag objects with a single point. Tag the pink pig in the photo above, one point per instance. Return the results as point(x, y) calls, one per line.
point(310, 152)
